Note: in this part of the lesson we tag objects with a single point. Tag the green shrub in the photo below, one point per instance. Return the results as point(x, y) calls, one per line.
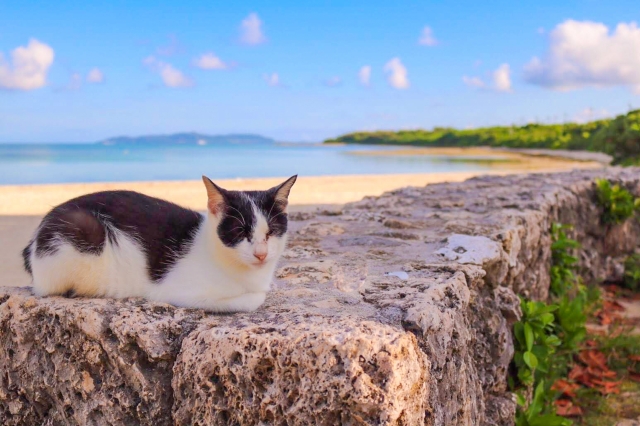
point(562, 261)
point(536, 413)
point(617, 203)
point(548, 335)
point(632, 272)
point(535, 344)
point(535, 340)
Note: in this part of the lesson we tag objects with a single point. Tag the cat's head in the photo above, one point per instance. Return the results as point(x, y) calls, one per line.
point(251, 225)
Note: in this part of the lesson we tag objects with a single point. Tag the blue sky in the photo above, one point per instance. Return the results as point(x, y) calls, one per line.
point(293, 70)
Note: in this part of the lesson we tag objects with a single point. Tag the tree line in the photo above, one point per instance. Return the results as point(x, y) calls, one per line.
point(618, 137)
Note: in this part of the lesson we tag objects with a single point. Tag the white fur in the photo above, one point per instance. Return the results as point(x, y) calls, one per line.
point(211, 276)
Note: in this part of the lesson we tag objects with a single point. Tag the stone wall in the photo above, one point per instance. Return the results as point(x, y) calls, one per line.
point(395, 310)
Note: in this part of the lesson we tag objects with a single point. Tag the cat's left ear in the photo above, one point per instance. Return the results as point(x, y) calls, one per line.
point(215, 196)
point(282, 191)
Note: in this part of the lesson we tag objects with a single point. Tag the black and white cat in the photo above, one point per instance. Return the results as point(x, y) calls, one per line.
point(125, 244)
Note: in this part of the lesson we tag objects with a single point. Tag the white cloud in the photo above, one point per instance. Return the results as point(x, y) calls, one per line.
point(427, 38)
point(251, 30)
point(364, 75)
point(584, 53)
point(502, 78)
point(209, 61)
point(473, 81)
point(272, 79)
point(171, 76)
point(397, 74)
point(28, 67)
point(95, 76)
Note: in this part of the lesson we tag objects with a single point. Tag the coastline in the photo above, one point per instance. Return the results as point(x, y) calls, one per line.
point(18, 200)
point(22, 206)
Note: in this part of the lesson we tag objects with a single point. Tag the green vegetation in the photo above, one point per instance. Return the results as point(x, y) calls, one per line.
point(559, 372)
point(563, 262)
point(618, 203)
point(632, 272)
point(548, 336)
point(618, 137)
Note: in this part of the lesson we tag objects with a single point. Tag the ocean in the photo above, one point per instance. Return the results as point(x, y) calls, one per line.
point(66, 163)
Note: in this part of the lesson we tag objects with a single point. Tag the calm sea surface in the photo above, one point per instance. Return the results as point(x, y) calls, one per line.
point(62, 163)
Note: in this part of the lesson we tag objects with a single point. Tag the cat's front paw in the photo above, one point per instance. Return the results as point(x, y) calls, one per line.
point(247, 302)
point(251, 301)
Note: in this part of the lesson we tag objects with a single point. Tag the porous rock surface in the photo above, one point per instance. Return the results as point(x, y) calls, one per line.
point(395, 310)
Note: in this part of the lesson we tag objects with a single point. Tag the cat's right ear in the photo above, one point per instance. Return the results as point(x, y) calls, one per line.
point(215, 194)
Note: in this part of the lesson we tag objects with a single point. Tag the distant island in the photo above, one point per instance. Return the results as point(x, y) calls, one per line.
point(618, 137)
point(187, 139)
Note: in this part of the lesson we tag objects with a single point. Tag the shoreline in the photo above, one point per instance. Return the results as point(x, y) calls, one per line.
point(38, 199)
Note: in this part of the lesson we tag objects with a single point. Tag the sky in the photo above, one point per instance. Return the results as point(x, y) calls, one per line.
point(78, 71)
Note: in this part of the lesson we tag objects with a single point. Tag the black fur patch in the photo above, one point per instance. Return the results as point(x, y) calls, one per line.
point(163, 229)
point(26, 257)
point(239, 219)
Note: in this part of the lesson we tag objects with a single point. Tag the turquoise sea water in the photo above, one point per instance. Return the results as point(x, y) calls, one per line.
point(62, 163)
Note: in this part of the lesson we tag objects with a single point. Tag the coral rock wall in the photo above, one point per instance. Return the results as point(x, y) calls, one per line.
point(395, 310)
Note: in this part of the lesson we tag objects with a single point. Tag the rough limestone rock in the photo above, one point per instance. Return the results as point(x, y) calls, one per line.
point(395, 310)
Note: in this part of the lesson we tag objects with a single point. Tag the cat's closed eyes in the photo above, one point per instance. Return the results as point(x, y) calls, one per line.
point(125, 244)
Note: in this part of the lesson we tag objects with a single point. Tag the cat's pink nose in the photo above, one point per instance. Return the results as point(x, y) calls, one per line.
point(260, 256)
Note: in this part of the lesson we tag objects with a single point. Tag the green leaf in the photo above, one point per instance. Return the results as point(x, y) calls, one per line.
point(530, 359)
point(552, 340)
point(537, 402)
point(528, 335)
point(547, 318)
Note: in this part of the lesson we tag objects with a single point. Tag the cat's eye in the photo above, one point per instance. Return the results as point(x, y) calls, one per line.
point(270, 233)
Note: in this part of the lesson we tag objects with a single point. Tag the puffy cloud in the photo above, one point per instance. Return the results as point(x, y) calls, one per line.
point(28, 67)
point(209, 61)
point(502, 78)
point(584, 53)
point(95, 76)
point(427, 38)
point(251, 30)
point(272, 79)
point(396, 74)
point(364, 75)
point(473, 81)
point(171, 76)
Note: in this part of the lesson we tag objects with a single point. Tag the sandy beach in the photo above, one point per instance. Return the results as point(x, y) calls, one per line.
point(22, 206)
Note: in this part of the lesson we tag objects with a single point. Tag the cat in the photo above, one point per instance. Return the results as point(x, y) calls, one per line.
point(125, 244)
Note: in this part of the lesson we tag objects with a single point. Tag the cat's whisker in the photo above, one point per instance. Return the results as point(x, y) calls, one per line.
point(236, 218)
point(270, 210)
point(239, 212)
point(271, 219)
